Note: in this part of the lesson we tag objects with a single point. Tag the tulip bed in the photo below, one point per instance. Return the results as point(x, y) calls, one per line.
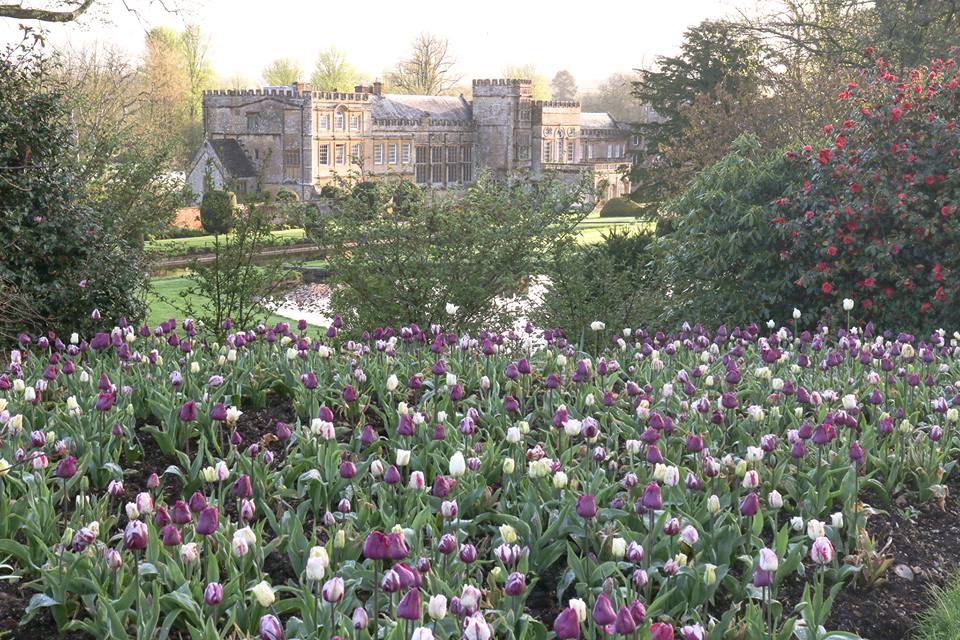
point(424, 484)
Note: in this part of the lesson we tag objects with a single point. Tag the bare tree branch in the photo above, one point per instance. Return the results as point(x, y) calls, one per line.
point(19, 12)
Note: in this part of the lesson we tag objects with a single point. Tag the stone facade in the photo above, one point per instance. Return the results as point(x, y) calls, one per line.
point(299, 140)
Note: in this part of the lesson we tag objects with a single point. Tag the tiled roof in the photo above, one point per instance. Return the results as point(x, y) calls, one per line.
point(603, 120)
point(233, 159)
point(410, 107)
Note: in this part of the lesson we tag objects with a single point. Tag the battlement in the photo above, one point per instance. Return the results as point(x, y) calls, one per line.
point(283, 92)
point(557, 104)
point(501, 82)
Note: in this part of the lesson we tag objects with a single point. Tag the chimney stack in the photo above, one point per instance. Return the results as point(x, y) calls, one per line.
point(377, 88)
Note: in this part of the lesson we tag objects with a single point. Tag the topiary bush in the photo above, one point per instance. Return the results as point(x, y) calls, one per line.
point(875, 217)
point(619, 208)
point(217, 211)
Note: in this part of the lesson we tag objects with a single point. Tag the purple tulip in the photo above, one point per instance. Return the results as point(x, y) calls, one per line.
point(376, 546)
point(567, 624)
point(516, 584)
point(135, 535)
point(409, 606)
point(218, 412)
point(349, 394)
point(242, 487)
point(197, 502)
point(468, 553)
point(661, 631)
point(651, 496)
point(188, 411)
point(66, 468)
point(208, 522)
point(170, 536)
point(180, 513)
point(396, 546)
point(587, 507)
point(270, 628)
point(603, 613)
point(625, 624)
point(750, 505)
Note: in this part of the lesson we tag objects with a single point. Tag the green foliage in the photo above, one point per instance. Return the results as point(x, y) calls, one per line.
point(218, 211)
point(232, 286)
point(620, 207)
point(65, 249)
point(605, 281)
point(398, 268)
point(407, 198)
point(722, 244)
point(714, 55)
point(941, 621)
point(282, 72)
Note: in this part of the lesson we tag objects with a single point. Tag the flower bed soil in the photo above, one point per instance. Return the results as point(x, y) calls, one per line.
point(929, 545)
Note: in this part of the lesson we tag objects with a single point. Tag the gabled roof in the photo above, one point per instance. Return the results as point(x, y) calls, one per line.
point(233, 158)
point(410, 107)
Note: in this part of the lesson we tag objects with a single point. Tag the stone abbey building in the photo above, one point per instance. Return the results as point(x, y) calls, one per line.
point(295, 139)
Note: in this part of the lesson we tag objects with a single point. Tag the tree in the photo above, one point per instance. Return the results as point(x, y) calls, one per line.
point(428, 70)
point(194, 47)
point(563, 86)
point(614, 96)
point(848, 33)
point(282, 72)
point(332, 72)
point(66, 11)
point(714, 56)
point(237, 81)
point(723, 243)
point(540, 86)
point(163, 81)
point(65, 205)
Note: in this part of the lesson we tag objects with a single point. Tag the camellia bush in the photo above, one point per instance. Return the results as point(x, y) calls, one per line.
point(159, 482)
point(875, 219)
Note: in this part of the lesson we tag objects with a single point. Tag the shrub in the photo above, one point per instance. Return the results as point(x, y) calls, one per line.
point(407, 198)
point(394, 268)
point(876, 217)
point(231, 286)
point(604, 281)
point(718, 261)
point(331, 191)
point(620, 207)
point(60, 252)
point(217, 211)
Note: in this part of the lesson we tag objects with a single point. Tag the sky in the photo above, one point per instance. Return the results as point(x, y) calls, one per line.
point(589, 40)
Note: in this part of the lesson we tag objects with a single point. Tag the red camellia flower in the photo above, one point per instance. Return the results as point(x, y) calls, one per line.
point(831, 250)
point(826, 287)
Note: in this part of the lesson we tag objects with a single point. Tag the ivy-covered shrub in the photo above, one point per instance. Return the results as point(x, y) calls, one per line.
point(718, 259)
point(875, 218)
point(61, 255)
point(606, 281)
point(217, 211)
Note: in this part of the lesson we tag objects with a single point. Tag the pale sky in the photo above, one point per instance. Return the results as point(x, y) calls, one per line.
point(590, 39)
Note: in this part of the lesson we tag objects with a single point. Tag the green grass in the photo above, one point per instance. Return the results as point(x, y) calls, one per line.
point(181, 246)
point(942, 620)
point(178, 246)
point(167, 294)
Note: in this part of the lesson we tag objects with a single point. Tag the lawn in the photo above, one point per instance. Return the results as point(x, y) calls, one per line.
point(166, 294)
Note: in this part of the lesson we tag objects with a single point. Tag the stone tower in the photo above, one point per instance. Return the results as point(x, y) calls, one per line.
point(502, 115)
